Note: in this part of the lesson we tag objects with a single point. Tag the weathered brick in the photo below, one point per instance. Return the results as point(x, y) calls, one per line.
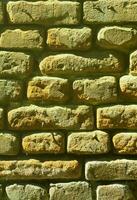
point(10, 91)
point(70, 64)
point(125, 143)
point(92, 90)
point(48, 89)
point(36, 170)
point(9, 144)
point(34, 117)
point(121, 169)
point(43, 143)
point(21, 39)
point(133, 63)
point(1, 13)
point(15, 64)
point(46, 13)
point(71, 190)
point(24, 192)
point(115, 37)
point(115, 192)
point(1, 118)
point(116, 117)
point(103, 11)
point(95, 142)
point(128, 87)
point(69, 38)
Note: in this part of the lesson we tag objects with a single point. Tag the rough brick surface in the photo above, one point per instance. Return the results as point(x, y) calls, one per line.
point(118, 116)
point(9, 144)
point(21, 39)
point(115, 37)
point(43, 143)
point(133, 63)
point(46, 13)
point(125, 143)
point(36, 170)
point(69, 39)
point(48, 89)
point(70, 64)
point(31, 192)
point(128, 87)
point(73, 190)
point(115, 192)
point(103, 12)
point(92, 90)
point(34, 117)
point(15, 65)
point(111, 170)
point(95, 142)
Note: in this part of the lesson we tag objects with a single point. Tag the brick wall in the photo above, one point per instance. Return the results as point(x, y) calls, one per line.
point(68, 100)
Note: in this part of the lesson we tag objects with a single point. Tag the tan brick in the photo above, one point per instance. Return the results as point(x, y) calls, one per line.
point(43, 143)
point(128, 87)
point(48, 89)
point(117, 117)
point(70, 64)
point(9, 144)
point(69, 38)
point(103, 11)
point(15, 65)
point(115, 192)
point(125, 143)
point(36, 170)
point(119, 38)
point(21, 39)
point(46, 13)
point(34, 117)
point(133, 63)
point(121, 169)
point(92, 90)
point(1, 13)
point(95, 142)
point(24, 192)
point(10, 91)
point(73, 190)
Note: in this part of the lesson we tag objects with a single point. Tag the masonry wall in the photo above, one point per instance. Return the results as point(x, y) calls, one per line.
point(68, 100)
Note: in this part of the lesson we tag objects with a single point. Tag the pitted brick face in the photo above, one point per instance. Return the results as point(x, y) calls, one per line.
point(68, 99)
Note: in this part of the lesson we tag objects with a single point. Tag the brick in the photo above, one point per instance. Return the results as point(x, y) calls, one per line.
point(15, 65)
point(69, 38)
point(121, 169)
point(9, 144)
point(34, 117)
point(119, 38)
point(1, 118)
point(103, 12)
point(39, 143)
point(1, 13)
point(115, 192)
point(48, 89)
point(10, 91)
point(36, 170)
point(133, 63)
point(117, 117)
point(23, 192)
point(70, 64)
point(92, 90)
point(75, 190)
point(125, 143)
point(95, 142)
point(45, 13)
point(25, 39)
point(128, 87)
